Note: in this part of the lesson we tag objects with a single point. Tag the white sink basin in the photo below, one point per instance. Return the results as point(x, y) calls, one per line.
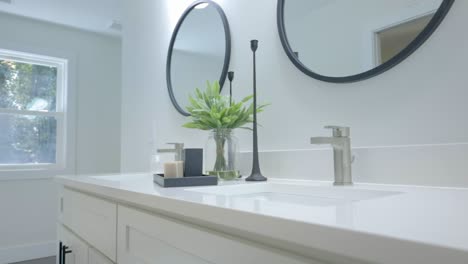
point(295, 194)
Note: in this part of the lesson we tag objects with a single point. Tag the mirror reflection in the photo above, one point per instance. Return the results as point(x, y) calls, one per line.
point(339, 38)
point(199, 52)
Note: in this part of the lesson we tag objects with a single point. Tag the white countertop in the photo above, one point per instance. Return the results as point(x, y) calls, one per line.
point(416, 225)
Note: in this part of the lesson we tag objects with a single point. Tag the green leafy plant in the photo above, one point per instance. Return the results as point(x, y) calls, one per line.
point(212, 111)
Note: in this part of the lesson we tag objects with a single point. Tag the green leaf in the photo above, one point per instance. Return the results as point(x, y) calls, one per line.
point(246, 99)
point(210, 110)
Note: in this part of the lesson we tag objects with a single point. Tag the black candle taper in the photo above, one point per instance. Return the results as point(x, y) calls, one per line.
point(256, 172)
point(230, 77)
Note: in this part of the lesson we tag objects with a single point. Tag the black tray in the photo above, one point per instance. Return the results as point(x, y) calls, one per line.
point(185, 181)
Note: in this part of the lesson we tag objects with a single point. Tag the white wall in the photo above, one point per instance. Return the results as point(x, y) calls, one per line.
point(27, 222)
point(419, 102)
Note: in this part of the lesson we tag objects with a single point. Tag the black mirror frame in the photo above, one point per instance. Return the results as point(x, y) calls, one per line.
point(227, 56)
point(405, 53)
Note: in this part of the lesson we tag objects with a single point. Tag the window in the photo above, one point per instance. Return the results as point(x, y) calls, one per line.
point(32, 111)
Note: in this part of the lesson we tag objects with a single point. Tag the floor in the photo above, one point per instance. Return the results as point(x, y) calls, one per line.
point(50, 260)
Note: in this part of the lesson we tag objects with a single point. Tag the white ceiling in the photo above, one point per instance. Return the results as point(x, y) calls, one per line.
point(91, 15)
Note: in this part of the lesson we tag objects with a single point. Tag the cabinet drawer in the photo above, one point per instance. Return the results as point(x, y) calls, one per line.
point(147, 238)
point(94, 219)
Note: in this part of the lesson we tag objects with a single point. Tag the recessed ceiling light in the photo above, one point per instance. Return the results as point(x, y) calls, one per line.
point(202, 5)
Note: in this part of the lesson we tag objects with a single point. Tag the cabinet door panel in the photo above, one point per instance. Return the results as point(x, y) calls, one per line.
point(97, 258)
point(94, 219)
point(79, 254)
point(153, 239)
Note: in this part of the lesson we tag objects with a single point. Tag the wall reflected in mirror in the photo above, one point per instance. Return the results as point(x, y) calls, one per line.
point(199, 52)
point(339, 38)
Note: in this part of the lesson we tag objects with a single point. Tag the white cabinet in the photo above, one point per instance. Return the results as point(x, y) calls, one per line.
point(98, 231)
point(94, 219)
point(153, 239)
point(78, 249)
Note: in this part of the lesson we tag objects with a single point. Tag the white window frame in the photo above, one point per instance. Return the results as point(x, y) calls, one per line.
point(60, 113)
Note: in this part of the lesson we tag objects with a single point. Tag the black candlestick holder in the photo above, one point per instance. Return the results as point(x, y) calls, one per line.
point(230, 77)
point(256, 172)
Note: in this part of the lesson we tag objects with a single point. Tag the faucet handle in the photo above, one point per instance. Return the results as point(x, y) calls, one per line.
point(177, 145)
point(179, 151)
point(339, 131)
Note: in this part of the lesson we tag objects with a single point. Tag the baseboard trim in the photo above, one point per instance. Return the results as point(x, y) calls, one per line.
point(27, 252)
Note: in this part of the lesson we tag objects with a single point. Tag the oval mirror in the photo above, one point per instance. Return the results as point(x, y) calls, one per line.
point(199, 51)
point(347, 41)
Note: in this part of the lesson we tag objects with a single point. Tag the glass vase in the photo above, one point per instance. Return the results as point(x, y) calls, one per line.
point(221, 154)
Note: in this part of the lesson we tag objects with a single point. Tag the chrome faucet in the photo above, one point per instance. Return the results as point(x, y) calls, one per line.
point(341, 143)
point(178, 150)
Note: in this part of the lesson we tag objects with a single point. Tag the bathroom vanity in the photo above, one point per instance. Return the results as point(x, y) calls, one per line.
point(128, 219)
